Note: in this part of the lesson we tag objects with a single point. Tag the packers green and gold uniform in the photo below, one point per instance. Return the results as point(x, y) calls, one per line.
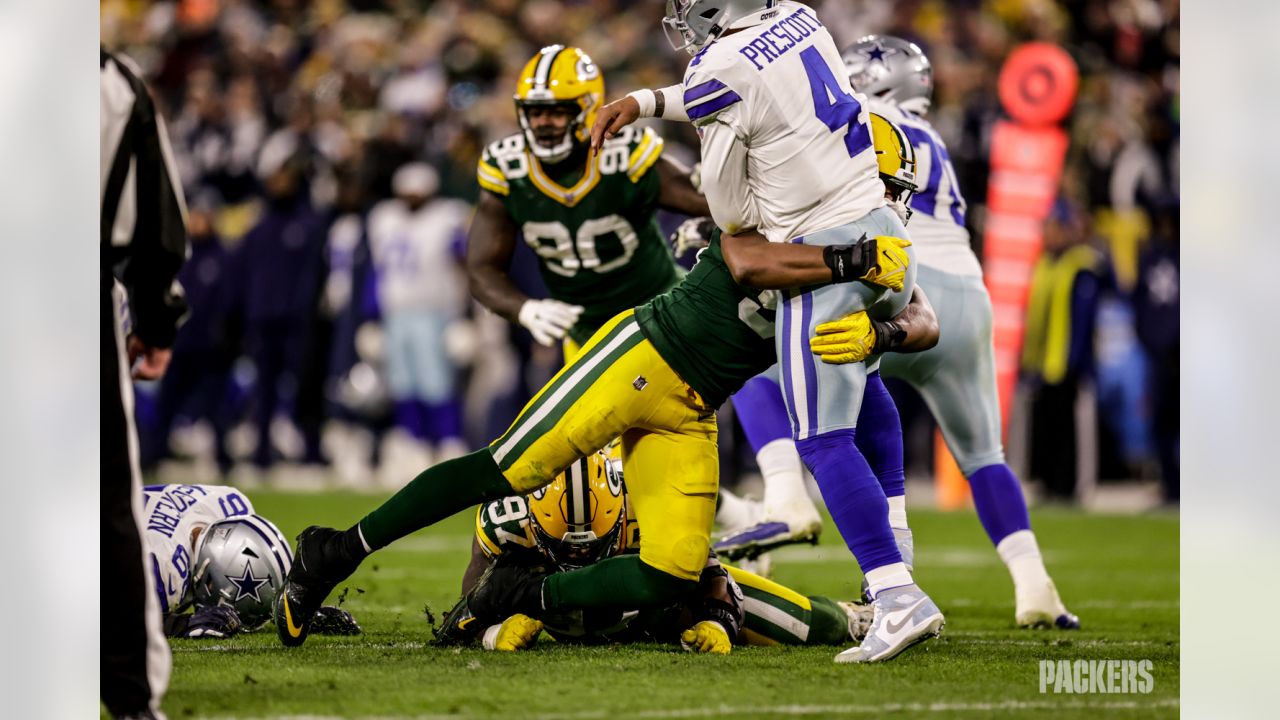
point(593, 228)
point(773, 614)
point(653, 376)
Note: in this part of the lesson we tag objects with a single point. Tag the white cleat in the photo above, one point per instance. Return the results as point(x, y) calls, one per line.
point(1040, 607)
point(904, 616)
point(796, 523)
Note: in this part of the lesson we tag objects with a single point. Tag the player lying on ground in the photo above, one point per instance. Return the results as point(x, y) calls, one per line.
point(212, 555)
point(653, 376)
point(581, 518)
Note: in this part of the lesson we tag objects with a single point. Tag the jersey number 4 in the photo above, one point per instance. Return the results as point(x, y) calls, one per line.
point(833, 106)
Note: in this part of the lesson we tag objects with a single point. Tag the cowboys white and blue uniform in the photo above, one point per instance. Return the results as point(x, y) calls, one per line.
point(787, 151)
point(172, 514)
point(956, 378)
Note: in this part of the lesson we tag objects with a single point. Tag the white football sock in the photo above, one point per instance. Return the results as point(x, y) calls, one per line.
point(888, 576)
point(898, 512)
point(734, 512)
point(1021, 554)
point(785, 495)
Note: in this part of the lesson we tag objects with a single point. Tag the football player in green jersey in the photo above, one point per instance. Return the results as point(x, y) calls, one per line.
point(653, 376)
point(581, 518)
point(588, 215)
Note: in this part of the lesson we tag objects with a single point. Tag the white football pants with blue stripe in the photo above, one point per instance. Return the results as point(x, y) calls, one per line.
point(822, 397)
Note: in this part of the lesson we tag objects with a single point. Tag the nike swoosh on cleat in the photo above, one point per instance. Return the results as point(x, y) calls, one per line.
point(896, 620)
point(462, 624)
point(294, 630)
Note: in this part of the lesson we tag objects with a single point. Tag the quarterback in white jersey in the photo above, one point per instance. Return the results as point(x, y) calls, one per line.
point(809, 166)
point(787, 151)
point(957, 377)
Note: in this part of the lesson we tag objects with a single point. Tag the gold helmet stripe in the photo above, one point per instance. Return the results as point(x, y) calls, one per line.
point(543, 72)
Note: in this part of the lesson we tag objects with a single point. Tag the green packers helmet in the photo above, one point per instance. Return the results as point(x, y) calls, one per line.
point(581, 517)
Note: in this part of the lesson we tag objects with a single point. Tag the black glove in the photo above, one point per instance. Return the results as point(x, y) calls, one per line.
point(215, 621)
point(719, 598)
point(330, 620)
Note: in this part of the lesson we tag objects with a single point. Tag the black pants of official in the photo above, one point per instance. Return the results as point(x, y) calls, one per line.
point(134, 656)
point(1053, 437)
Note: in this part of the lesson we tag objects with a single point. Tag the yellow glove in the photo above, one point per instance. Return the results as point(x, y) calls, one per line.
point(707, 636)
point(850, 339)
point(515, 633)
point(889, 266)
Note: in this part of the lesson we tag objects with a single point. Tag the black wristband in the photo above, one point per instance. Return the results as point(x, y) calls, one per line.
point(889, 336)
point(842, 261)
point(659, 103)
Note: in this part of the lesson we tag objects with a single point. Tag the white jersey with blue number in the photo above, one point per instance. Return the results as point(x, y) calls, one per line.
point(786, 141)
point(172, 513)
point(937, 221)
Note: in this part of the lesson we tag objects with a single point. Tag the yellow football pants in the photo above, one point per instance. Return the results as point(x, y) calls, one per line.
point(618, 385)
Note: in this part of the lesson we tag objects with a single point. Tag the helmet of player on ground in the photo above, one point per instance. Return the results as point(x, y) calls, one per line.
point(691, 24)
point(241, 562)
point(897, 161)
point(893, 69)
point(581, 517)
point(558, 81)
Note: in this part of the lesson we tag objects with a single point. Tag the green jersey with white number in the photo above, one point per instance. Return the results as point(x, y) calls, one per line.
point(593, 228)
point(715, 333)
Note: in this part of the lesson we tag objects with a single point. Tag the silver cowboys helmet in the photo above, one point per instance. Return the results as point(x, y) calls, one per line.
point(893, 69)
point(241, 562)
point(691, 24)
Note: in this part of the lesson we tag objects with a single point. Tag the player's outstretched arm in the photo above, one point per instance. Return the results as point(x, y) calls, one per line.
point(666, 103)
point(755, 262)
point(856, 337)
point(677, 192)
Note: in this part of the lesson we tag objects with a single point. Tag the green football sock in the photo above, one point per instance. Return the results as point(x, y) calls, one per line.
point(620, 582)
point(828, 624)
point(438, 492)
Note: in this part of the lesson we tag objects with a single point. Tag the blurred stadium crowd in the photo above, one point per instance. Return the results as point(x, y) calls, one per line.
point(306, 132)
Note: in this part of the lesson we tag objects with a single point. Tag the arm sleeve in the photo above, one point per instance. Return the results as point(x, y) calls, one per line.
point(674, 97)
point(724, 178)
point(159, 244)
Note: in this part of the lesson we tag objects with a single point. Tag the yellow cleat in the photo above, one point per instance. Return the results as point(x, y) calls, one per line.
point(707, 636)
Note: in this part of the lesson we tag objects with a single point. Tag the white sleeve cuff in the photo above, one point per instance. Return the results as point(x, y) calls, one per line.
point(648, 102)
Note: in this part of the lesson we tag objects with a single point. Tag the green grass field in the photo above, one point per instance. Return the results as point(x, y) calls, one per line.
point(1120, 574)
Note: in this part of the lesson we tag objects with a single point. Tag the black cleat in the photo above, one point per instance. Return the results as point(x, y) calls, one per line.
point(318, 567)
point(460, 626)
point(511, 585)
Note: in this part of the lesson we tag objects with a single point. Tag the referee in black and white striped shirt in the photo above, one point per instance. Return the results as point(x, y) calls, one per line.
point(144, 243)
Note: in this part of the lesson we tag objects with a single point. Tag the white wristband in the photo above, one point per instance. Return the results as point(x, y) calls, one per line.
point(648, 102)
point(490, 638)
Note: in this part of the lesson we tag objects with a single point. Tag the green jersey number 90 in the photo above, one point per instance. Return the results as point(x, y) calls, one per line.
point(600, 245)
